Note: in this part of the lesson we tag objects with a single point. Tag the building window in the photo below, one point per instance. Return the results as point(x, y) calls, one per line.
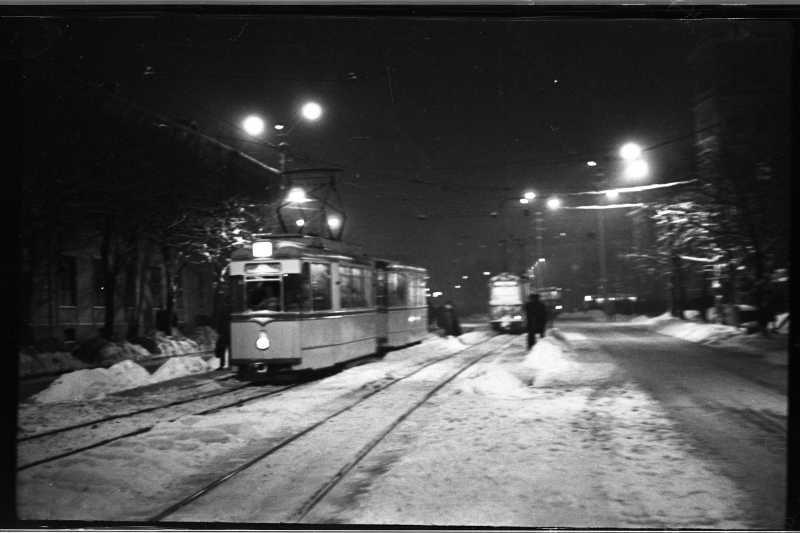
point(98, 283)
point(67, 279)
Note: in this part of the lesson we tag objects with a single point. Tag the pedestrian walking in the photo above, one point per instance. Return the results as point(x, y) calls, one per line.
point(536, 316)
point(448, 320)
point(433, 314)
point(221, 350)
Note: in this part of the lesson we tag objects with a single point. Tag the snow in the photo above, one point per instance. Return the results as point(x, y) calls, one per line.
point(96, 383)
point(203, 339)
point(522, 440)
point(774, 348)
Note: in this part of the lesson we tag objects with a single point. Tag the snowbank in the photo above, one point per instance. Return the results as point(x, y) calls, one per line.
point(493, 381)
point(547, 359)
point(774, 349)
point(111, 353)
point(92, 384)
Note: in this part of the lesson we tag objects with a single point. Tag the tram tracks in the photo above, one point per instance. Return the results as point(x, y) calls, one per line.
point(40, 448)
point(317, 458)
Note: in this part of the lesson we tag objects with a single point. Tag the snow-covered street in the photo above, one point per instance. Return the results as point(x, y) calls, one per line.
point(560, 436)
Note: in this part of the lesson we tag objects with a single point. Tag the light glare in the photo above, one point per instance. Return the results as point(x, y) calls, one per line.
point(553, 203)
point(297, 195)
point(630, 151)
point(334, 222)
point(312, 111)
point(530, 195)
point(253, 125)
point(636, 169)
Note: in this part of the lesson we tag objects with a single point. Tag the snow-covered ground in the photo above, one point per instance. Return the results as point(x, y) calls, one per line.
point(110, 353)
point(530, 439)
point(96, 383)
point(775, 349)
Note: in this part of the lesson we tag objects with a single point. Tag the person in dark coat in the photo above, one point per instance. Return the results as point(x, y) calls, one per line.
point(223, 332)
point(433, 314)
point(448, 320)
point(536, 315)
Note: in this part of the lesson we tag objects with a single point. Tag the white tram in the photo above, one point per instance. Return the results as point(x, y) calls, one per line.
point(302, 302)
point(507, 296)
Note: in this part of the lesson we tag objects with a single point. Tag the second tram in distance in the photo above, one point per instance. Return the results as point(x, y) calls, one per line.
point(303, 303)
point(508, 294)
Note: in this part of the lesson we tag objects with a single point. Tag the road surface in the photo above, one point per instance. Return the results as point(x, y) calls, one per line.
point(731, 405)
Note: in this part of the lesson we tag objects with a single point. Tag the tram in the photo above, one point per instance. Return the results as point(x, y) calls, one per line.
point(507, 296)
point(551, 298)
point(303, 303)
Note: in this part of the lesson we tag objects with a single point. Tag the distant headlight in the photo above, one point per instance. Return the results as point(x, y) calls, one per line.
point(518, 317)
point(262, 343)
point(558, 307)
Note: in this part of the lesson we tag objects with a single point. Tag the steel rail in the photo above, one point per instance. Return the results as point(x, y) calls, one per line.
point(272, 450)
point(335, 480)
point(145, 429)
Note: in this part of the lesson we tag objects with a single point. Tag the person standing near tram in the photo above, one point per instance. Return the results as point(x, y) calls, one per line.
point(536, 318)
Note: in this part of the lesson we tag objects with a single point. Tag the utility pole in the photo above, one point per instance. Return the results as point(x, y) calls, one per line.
point(601, 234)
point(539, 252)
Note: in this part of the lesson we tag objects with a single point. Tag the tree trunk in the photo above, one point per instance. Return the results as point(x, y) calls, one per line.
point(705, 301)
point(169, 308)
point(108, 292)
point(679, 296)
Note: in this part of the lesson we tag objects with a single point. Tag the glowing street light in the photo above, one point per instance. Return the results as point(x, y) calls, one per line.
point(334, 222)
point(300, 223)
point(253, 125)
point(591, 163)
point(554, 203)
point(312, 111)
point(630, 151)
point(529, 195)
point(524, 201)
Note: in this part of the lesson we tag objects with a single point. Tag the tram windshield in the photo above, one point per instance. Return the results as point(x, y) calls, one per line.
point(505, 293)
point(307, 291)
point(263, 295)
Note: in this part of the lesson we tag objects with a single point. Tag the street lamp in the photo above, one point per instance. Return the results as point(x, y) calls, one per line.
point(635, 168)
point(253, 125)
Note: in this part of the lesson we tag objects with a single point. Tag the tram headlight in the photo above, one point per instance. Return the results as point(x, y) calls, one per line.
point(262, 343)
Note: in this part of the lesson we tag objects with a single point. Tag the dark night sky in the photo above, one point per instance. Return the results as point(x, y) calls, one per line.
point(450, 117)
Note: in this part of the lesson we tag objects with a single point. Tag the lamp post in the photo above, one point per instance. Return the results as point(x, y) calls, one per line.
point(538, 263)
point(255, 125)
point(635, 168)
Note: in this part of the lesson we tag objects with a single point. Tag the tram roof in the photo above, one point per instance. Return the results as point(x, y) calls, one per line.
point(304, 244)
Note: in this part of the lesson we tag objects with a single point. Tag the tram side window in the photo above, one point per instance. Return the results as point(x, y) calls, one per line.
point(354, 292)
point(320, 286)
point(295, 291)
point(398, 289)
point(380, 288)
point(263, 295)
point(417, 290)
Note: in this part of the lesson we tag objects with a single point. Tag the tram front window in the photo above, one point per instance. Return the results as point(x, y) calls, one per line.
point(263, 295)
